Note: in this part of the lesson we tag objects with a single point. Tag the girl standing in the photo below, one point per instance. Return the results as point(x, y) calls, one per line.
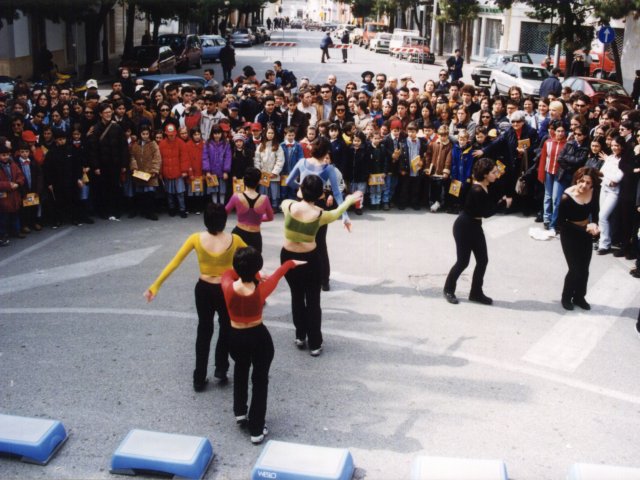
point(611, 178)
point(576, 222)
point(269, 159)
point(216, 164)
point(145, 157)
point(196, 186)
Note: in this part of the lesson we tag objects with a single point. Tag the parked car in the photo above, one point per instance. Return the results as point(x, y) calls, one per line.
point(481, 73)
point(524, 75)
point(186, 48)
point(380, 43)
point(355, 36)
point(598, 89)
point(311, 25)
point(243, 37)
point(328, 26)
point(296, 24)
point(262, 35)
point(421, 44)
point(595, 69)
point(211, 46)
point(156, 82)
point(149, 59)
point(370, 30)
point(397, 38)
point(7, 84)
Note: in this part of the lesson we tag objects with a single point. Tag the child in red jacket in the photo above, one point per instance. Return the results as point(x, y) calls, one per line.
point(195, 185)
point(175, 169)
point(11, 180)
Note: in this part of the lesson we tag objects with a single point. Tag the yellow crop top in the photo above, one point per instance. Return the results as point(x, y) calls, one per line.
point(305, 232)
point(213, 265)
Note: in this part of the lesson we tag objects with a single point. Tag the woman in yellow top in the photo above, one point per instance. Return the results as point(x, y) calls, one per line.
point(301, 223)
point(215, 249)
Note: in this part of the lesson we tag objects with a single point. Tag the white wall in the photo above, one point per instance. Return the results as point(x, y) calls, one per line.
point(630, 52)
point(21, 40)
point(55, 35)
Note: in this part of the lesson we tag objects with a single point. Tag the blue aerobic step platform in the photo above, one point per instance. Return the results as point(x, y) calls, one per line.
point(34, 440)
point(294, 461)
point(181, 455)
point(586, 471)
point(445, 468)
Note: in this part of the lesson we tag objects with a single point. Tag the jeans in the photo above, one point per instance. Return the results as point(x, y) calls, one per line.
point(559, 186)
point(358, 187)
point(172, 198)
point(375, 194)
point(390, 184)
point(272, 192)
point(608, 201)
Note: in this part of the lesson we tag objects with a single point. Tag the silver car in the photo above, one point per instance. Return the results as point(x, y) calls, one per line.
point(243, 37)
point(524, 75)
point(380, 43)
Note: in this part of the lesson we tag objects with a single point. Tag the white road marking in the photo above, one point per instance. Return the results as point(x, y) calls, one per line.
point(35, 247)
point(74, 271)
point(358, 336)
point(572, 339)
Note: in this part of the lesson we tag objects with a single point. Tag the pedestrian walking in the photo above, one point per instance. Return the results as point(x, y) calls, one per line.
point(227, 60)
point(325, 43)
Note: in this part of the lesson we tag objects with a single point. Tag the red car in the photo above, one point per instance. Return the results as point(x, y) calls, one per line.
point(597, 90)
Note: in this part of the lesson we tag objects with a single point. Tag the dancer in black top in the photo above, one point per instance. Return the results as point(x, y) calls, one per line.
point(577, 223)
point(468, 233)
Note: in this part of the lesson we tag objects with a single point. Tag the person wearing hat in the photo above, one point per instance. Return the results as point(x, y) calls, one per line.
point(227, 60)
point(11, 180)
point(241, 158)
point(108, 153)
point(234, 116)
point(367, 82)
point(211, 115)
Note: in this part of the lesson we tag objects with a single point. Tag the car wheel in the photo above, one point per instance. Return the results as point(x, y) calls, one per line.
point(494, 89)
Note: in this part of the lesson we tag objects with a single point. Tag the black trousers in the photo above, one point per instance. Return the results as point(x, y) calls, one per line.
point(469, 237)
point(209, 300)
point(251, 347)
point(108, 194)
point(325, 53)
point(577, 248)
point(253, 239)
point(410, 191)
point(304, 282)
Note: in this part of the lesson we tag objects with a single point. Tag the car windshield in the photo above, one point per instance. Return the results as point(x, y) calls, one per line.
point(607, 88)
point(143, 53)
point(377, 28)
point(174, 42)
point(531, 73)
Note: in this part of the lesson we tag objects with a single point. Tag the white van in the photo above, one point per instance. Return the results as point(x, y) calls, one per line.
point(397, 39)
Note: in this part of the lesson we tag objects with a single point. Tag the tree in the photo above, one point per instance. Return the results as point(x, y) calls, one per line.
point(462, 13)
point(605, 10)
point(570, 15)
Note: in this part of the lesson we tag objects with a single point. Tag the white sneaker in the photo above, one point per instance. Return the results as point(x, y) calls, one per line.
point(260, 438)
point(435, 207)
point(241, 420)
point(300, 343)
point(551, 232)
point(114, 219)
point(316, 352)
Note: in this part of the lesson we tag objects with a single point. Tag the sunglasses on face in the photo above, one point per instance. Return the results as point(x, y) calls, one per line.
point(164, 109)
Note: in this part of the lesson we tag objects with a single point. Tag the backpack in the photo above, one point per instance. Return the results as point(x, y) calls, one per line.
point(289, 79)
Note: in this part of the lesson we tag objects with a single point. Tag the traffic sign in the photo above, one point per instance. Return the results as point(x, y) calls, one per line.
point(606, 34)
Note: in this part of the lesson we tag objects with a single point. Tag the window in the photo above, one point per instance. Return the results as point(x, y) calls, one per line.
point(532, 73)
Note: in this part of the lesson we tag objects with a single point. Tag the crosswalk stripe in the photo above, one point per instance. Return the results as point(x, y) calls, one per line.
point(572, 339)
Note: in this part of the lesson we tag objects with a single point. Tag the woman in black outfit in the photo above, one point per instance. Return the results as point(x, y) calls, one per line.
point(577, 224)
point(468, 234)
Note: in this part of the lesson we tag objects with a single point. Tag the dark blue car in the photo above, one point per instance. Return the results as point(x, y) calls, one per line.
point(211, 46)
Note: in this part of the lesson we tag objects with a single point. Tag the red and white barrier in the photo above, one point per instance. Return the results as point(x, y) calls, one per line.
point(408, 50)
point(341, 46)
point(280, 44)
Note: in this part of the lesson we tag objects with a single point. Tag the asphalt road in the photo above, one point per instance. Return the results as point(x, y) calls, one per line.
point(403, 373)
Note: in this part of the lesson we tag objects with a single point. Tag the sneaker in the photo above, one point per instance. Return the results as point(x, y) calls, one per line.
point(113, 219)
point(582, 303)
point(316, 352)
point(183, 214)
point(539, 218)
point(618, 253)
point(300, 343)
point(546, 225)
point(242, 421)
point(385, 207)
point(221, 377)
point(551, 232)
point(4, 242)
point(435, 207)
point(257, 440)
point(635, 272)
point(603, 251)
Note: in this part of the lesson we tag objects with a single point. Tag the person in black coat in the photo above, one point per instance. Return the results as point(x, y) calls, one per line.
point(412, 183)
point(356, 170)
point(109, 157)
point(295, 118)
point(345, 41)
point(63, 179)
point(227, 60)
point(518, 141)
